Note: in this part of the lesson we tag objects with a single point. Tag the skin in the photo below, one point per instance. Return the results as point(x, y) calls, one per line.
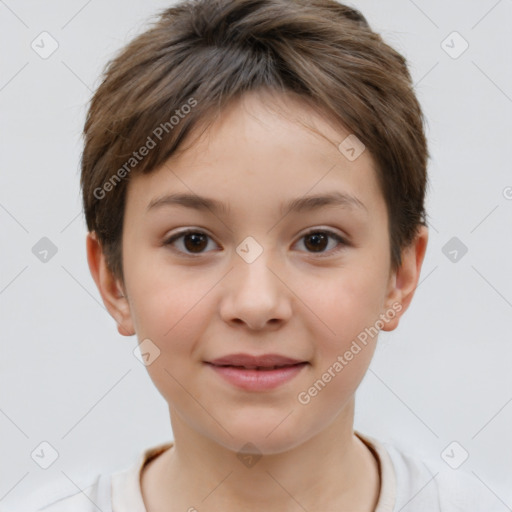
point(291, 300)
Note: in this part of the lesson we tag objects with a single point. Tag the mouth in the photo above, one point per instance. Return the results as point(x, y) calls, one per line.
point(256, 373)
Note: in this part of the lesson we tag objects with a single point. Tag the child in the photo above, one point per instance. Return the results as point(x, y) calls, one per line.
point(253, 178)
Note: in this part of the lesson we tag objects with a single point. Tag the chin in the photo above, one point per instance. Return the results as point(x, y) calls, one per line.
point(266, 436)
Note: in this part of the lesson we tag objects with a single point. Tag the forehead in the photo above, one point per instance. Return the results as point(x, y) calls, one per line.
point(263, 146)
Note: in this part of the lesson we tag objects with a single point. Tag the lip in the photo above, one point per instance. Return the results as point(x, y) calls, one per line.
point(257, 373)
point(250, 361)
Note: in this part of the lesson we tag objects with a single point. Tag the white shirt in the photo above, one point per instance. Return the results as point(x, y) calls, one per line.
point(407, 485)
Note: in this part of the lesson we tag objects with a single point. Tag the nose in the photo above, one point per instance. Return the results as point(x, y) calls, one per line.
point(255, 295)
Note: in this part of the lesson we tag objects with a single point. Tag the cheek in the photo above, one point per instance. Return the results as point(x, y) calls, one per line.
point(166, 303)
point(174, 317)
point(172, 310)
point(347, 304)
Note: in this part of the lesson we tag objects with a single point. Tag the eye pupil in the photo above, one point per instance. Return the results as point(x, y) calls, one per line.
point(198, 241)
point(319, 241)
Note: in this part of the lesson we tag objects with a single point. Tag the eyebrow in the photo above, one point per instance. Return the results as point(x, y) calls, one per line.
point(301, 204)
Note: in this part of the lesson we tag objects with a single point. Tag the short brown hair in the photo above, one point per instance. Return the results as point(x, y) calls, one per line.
point(201, 54)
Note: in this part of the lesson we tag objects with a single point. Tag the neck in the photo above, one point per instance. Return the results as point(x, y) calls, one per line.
point(332, 469)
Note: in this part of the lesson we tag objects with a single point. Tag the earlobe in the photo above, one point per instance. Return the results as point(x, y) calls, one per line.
point(404, 281)
point(110, 288)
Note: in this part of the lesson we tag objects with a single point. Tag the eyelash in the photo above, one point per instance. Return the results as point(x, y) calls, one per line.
point(331, 234)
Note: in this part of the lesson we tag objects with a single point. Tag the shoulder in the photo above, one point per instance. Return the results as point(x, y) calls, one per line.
point(119, 491)
point(86, 496)
point(425, 484)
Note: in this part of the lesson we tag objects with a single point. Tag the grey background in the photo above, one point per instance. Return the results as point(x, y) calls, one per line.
point(68, 378)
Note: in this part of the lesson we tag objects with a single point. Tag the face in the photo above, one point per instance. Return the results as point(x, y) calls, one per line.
point(256, 276)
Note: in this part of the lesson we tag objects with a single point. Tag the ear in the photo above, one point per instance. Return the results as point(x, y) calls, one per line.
point(111, 290)
point(403, 281)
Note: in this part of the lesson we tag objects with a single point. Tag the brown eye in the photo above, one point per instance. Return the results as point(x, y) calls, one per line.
point(189, 242)
point(195, 242)
point(318, 241)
